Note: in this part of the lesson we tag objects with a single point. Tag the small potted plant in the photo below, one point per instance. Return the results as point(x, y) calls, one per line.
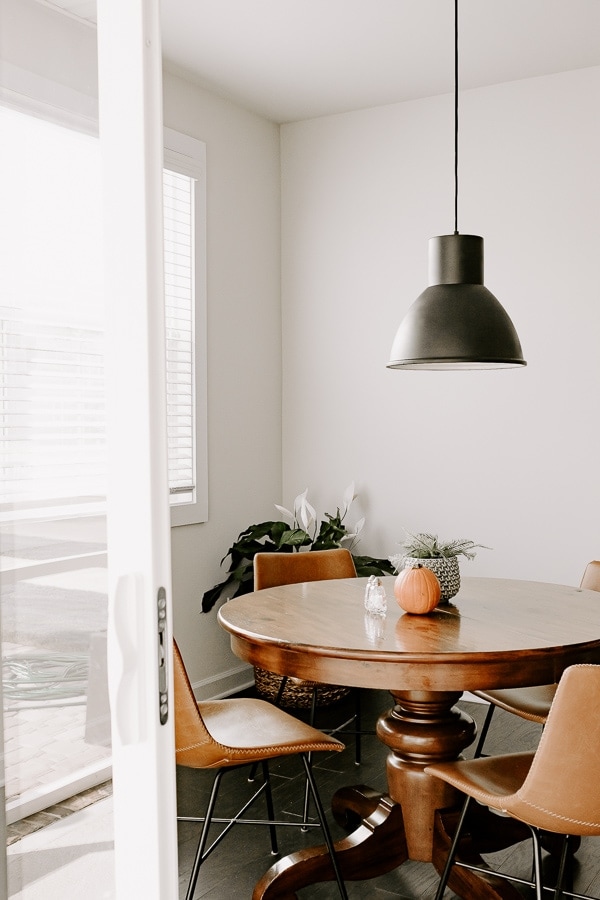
point(439, 556)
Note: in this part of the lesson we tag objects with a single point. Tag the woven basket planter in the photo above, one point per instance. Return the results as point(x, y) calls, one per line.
point(447, 571)
point(297, 693)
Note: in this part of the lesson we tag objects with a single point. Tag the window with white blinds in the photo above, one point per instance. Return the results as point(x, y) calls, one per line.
point(52, 420)
point(178, 193)
point(184, 180)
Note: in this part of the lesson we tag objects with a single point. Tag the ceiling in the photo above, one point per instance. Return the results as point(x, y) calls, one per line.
point(297, 59)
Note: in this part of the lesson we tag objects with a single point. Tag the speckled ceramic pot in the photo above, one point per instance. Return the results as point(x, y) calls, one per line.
point(447, 571)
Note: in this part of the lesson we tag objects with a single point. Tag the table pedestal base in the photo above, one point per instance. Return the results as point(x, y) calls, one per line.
point(422, 728)
point(377, 846)
point(418, 818)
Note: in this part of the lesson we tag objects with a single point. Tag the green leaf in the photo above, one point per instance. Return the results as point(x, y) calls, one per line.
point(295, 537)
point(428, 546)
point(371, 565)
point(210, 597)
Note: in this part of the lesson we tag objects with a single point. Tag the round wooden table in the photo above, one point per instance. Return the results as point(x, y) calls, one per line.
point(495, 633)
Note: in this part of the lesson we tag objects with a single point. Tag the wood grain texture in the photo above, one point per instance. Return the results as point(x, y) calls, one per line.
point(496, 633)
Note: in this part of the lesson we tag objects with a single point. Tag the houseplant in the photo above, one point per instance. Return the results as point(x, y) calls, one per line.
point(302, 532)
point(439, 556)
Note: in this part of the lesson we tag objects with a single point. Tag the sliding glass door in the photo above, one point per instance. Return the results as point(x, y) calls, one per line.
point(53, 471)
point(86, 599)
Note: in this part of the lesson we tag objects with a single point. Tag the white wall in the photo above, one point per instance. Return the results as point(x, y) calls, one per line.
point(39, 46)
point(507, 458)
point(244, 362)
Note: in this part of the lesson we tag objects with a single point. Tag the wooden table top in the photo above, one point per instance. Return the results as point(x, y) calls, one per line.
point(496, 633)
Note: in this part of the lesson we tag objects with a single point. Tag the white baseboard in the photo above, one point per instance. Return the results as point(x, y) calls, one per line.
point(224, 683)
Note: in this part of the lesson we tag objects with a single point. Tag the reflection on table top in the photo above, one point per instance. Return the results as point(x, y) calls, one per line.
point(496, 632)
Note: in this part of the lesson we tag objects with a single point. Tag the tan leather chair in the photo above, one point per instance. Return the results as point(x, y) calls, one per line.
point(224, 734)
point(275, 569)
point(555, 789)
point(530, 703)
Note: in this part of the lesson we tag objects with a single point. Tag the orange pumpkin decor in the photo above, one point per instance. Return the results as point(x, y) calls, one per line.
point(417, 590)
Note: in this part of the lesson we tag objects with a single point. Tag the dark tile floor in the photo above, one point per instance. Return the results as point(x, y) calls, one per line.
point(244, 855)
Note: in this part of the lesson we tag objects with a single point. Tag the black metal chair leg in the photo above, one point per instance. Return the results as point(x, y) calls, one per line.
point(313, 706)
point(313, 713)
point(452, 851)
point(306, 804)
point(358, 721)
point(281, 689)
point(325, 827)
point(484, 730)
point(537, 863)
point(566, 856)
point(203, 836)
point(270, 807)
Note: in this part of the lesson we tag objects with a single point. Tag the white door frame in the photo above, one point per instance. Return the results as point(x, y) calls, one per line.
point(130, 94)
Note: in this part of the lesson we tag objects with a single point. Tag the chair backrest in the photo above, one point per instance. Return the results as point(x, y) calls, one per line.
point(194, 746)
point(591, 576)
point(273, 569)
point(561, 793)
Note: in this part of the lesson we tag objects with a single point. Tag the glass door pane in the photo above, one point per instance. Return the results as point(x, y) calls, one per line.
point(52, 537)
point(72, 624)
point(53, 563)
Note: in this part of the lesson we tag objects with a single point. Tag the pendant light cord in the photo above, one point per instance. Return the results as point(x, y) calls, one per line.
point(455, 116)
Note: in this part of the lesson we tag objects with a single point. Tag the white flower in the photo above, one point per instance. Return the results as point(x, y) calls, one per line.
point(305, 513)
point(349, 497)
point(285, 513)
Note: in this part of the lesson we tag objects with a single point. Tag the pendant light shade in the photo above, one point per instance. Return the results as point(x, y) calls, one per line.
point(456, 323)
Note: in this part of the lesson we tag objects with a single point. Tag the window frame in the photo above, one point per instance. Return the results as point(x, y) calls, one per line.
point(187, 155)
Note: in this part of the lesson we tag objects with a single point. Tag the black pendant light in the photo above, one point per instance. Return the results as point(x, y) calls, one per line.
point(456, 323)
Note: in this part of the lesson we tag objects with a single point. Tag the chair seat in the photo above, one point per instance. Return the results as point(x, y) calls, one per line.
point(497, 782)
point(488, 779)
point(222, 734)
point(554, 789)
point(531, 703)
point(246, 730)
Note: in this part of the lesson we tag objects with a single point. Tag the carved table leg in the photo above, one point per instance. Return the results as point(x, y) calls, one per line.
point(422, 728)
point(375, 847)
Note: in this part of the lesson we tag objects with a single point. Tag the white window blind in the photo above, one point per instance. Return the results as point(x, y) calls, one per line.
point(178, 192)
point(52, 419)
point(185, 301)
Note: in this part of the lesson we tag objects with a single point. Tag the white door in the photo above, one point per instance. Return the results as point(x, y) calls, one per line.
point(139, 658)
point(145, 847)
